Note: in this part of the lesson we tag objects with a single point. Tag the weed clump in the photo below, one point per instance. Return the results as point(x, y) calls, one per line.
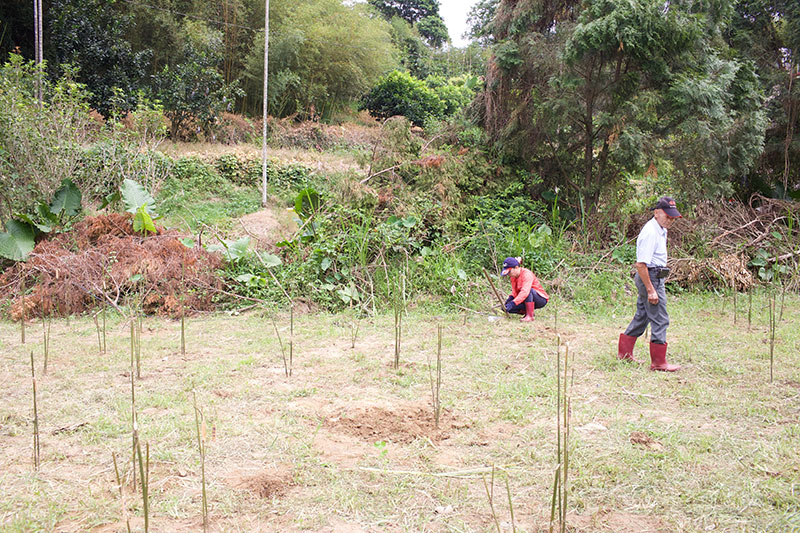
point(103, 260)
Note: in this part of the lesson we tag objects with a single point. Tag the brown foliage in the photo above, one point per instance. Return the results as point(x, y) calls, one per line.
point(76, 271)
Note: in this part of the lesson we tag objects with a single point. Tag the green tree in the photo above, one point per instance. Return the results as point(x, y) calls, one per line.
point(194, 89)
point(89, 34)
point(422, 14)
point(767, 32)
point(585, 94)
point(323, 56)
point(39, 146)
point(399, 93)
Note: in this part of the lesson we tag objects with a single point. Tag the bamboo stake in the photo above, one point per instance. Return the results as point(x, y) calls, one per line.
point(497, 294)
point(772, 317)
point(490, 497)
point(283, 351)
point(36, 448)
point(121, 494)
point(510, 503)
point(183, 303)
point(200, 425)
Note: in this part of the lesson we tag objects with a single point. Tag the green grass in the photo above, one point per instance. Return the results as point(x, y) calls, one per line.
point(725, 449)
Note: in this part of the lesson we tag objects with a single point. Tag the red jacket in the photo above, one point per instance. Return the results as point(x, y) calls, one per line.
point(521, 286)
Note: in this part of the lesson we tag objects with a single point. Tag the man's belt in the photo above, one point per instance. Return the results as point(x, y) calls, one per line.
point(661, 272)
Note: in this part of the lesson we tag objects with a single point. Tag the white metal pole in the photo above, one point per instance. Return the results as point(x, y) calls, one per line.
point(264, 128)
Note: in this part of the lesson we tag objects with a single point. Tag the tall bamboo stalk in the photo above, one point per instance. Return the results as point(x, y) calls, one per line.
point(200, 426)
point(35, 418)
point(436, 383)
point(772, 309)
point(183, 304)
point(134, 437)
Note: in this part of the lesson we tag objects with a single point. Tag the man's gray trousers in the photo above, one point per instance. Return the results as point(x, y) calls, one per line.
point(656, 315)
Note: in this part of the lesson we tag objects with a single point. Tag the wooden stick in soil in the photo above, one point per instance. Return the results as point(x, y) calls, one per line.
point(35, 418)
point(749, 308)
point(121, 494)
point(497, 294)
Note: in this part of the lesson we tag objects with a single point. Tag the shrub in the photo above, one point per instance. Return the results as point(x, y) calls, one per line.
point(400, 93)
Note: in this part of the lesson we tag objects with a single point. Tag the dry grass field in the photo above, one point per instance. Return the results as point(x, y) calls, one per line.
point(348, 444)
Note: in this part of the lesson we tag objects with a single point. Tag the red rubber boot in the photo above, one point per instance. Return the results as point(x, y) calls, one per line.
point(658, 358)
point(625, 348)
point(529, 310)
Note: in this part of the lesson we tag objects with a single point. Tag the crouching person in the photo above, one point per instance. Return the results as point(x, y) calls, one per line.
point(527, 293)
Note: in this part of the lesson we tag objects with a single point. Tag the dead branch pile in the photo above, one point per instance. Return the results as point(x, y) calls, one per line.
point(102, 260)
point(732, 234)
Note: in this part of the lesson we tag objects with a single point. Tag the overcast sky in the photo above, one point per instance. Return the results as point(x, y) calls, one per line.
point(454, 13)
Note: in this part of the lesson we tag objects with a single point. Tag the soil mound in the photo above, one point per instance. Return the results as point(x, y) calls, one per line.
point(103, 260)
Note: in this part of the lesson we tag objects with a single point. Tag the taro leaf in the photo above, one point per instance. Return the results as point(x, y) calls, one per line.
point(143, 222)
point(187, 242)
point(394, 220)
point(66, 200)
point(461, 274)
point(135, 196)
point(16, 243)
point(112, 198)
point(325, 264)
point(409, 221)
point(306, 203)
point(348, 294)
point(270, 260)
point(244, 278)
point(43, 228)
point(45, 213)
point(232, 251)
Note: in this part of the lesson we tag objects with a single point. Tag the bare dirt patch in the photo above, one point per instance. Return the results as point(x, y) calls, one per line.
point(401, 424)
point(267, 483)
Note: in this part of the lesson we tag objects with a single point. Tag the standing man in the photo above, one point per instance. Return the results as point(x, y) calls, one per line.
point(651, 271)
point(527, 292)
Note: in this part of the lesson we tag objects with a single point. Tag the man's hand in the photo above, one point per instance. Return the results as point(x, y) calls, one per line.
point(652, 296)
point(509, 305)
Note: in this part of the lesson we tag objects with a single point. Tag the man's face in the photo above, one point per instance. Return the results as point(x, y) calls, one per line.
point(664, 220)
point(514, 272)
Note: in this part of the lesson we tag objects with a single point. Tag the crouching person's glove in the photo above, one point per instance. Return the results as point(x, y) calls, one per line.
point(509, 305)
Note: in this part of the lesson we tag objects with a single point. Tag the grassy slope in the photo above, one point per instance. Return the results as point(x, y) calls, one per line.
point(332, 448)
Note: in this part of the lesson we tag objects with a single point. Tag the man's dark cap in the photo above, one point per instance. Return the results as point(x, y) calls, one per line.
point(667, 204)
point(508, 264)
